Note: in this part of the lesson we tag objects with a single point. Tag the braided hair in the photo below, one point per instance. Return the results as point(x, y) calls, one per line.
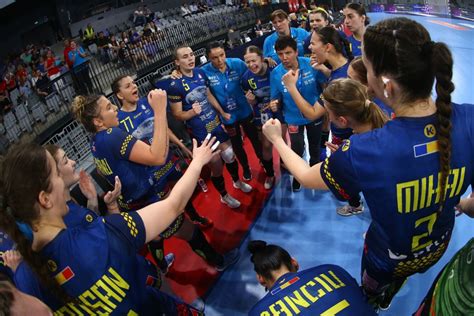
point(402, 49)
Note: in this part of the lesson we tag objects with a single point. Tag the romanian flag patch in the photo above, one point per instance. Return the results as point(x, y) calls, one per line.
point(65, 275)
point(285, 285)
point(425, 149)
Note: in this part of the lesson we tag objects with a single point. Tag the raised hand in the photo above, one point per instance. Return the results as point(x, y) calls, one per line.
point(157, 99)
point(204, 153)
point(87, 186)
point(272, 130)
point(290, 78)
point(110, 198)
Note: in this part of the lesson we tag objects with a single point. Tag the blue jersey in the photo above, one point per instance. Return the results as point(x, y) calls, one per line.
point(339, 133)
point(356, 46)
point(111, 150)
point(227, 90)
point(73, 261)
point(308, 85)
point(397, 169)
point(6, 243)
point(260, 87)
point(140, 124)
point(298, 34)
point(78, 215)
point(322, 290)
point(385, 108)
point(189, 90)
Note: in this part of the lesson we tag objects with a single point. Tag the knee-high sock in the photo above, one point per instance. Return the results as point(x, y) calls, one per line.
point(219, 184)
point(233, 169)
point(156, 248)
point(191, 211)
point(268, 166)
point(201, 246)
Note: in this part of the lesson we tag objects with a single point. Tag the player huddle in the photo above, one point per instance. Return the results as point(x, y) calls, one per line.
point(78, 262)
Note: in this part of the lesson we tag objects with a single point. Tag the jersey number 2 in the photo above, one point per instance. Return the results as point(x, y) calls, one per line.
point(416, 243)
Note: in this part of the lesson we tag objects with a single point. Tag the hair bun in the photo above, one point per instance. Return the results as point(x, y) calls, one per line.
point(78, 105)
point(256, 246)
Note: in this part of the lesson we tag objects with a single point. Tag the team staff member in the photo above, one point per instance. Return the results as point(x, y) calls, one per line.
point(323, 290)
point(136, 118)
point(420, 154)
point(308, 85)
point(223, 75)
point(189, 99)
point(117, 153)
point(66, 260)
point(256, 82)
point(78, 57)
point(356, 20)
point(281, 23)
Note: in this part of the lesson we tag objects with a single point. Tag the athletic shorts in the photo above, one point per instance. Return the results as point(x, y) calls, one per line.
point(217, 131)
point(379, 270)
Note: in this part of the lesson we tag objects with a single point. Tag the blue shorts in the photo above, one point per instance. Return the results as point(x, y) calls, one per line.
point(218, 132)
point(379, 269)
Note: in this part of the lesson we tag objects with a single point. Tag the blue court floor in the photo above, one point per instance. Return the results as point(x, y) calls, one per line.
point(306, 223)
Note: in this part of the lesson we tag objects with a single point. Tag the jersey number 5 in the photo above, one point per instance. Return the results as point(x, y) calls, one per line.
point(336, 308)
point(252, 84)
point(185, 85)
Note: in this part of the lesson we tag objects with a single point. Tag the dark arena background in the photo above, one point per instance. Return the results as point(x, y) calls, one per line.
point(137, 38)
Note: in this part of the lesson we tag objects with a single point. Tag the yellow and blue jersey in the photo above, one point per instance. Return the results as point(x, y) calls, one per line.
point(109, 283)
point(189, 90)
point(397, 169)
point(227, 90)
point(339, 133)
point(78, 215)
point(111, 151)
point(308, 84)
point(140, 124)
point(356, 46)
point(260, 87)
point(298, 34)
point(322, 290)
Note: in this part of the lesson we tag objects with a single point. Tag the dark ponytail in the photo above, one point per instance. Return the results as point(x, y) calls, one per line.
point(330, 35)
point(25, 173)
point(268, 258)
point(402, 49)
point(442, 63)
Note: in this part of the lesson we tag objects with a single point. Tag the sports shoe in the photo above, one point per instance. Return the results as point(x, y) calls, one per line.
point(229, 259)
point(296, 186)
point(247, 175)
point(242, 186)
point(269, 181)
point(230, 201)
point(348, 210)
point(169, 258)
point(198, 304)
point(203, 222)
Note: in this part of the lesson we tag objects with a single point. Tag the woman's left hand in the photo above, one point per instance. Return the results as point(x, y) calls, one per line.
point(87, 186)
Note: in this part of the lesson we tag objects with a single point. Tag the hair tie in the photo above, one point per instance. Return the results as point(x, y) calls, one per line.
point(25, 230)
point(367, 104)
point(427, 48)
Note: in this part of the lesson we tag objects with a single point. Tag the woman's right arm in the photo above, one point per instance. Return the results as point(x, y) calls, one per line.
point(309, 177)
point(156, 153)
point(158, 216)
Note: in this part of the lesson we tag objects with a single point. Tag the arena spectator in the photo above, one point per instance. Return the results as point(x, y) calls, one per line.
point(67, 49)
point(103, 47)
point(51, 66)
point(78, 57)
point(89, 35)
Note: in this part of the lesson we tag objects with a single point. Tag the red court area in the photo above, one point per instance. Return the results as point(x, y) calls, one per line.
point(190, 276)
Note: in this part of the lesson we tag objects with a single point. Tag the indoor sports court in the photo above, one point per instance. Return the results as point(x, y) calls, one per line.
point(106, 226)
